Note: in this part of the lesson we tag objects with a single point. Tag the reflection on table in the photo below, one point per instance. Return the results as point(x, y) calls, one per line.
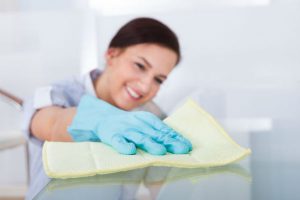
point(146, 183)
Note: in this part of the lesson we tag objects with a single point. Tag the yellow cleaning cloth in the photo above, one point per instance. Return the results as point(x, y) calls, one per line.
point(211, 147)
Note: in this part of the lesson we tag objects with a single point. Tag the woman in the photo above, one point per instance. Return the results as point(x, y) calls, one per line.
point(98, 106)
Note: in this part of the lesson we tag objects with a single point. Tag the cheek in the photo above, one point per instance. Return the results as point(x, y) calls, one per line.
point(124, 70)
point(123, 78)
point(118, 81)
point(154, 89)
point(120, 75)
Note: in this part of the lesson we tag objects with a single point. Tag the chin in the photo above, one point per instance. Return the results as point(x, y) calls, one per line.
point(125, 106)
point(128, 108)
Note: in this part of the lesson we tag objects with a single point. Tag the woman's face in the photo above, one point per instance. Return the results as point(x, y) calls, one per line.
point(135, 74)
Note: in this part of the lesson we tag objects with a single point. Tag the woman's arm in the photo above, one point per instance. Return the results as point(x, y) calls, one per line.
point(51, 123)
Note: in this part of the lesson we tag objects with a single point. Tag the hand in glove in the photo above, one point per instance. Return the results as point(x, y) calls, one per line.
point(97, 120)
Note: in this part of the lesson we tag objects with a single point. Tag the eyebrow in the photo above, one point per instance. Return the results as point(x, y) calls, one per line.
point(146, 61)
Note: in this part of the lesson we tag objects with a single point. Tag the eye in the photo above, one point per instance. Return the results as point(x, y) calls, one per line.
point(140, 66)
point(158, 80)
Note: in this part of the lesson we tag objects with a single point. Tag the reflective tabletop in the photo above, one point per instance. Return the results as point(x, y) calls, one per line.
point(272, 172)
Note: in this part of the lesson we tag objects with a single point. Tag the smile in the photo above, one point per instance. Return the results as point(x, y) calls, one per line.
point(132, 93)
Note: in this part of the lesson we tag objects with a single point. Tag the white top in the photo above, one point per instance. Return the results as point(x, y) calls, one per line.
point(65, 94)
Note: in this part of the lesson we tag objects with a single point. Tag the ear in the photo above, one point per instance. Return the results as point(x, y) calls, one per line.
point(111, 53)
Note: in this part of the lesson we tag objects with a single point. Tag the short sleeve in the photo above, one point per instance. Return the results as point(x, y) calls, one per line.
point(64, 94)
point(42, 97)
point(28, 112)
point(67, 93)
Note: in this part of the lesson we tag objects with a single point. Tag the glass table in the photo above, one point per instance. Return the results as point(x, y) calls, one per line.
point(272, 172)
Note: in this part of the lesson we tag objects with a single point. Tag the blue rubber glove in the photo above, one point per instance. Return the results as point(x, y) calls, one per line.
point(97, 120)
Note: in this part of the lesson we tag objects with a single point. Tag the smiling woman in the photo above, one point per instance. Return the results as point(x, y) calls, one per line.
point(101, 105)
point(139, 58)
point(133, 76)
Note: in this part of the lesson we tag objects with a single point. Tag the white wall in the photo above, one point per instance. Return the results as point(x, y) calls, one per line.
point(247, 56)
point(37, 47)
point(225, 49)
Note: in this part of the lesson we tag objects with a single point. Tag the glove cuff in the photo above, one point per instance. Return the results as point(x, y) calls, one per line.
point(88, 116)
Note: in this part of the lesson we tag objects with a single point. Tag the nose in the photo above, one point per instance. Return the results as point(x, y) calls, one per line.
point(145, 84)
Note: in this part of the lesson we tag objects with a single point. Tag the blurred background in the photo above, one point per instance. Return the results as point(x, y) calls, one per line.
point(241, 59)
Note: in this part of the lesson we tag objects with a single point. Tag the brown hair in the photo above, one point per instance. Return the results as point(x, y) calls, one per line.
point(146, 30)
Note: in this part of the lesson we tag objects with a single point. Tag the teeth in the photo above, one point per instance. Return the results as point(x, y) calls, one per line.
point(132, 93)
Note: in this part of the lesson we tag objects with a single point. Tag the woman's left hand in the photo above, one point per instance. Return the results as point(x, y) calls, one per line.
point(97, 120)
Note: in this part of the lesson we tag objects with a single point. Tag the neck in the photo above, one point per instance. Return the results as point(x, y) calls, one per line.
point(101, 86)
